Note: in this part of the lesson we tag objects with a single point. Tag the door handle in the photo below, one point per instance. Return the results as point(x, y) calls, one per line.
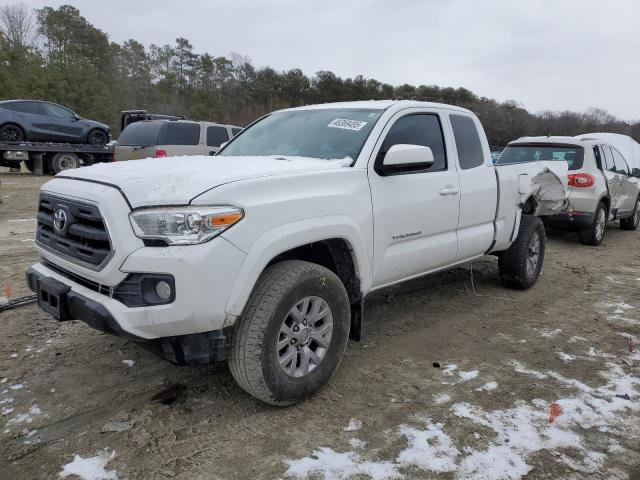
point(449, 190)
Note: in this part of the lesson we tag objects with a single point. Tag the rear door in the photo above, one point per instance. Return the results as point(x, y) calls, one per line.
point(415, 210)
point(614, 179)
point(478, 191)
point(33, 117)
point(216, 136)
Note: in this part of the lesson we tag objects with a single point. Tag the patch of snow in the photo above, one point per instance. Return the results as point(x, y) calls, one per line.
point(565, 357)
point(129, 363)
point(441, 398)
point(497, 462)
point(449, 369)
point(16, 386)
point(92, 468)
point(357, 443)
point(6, 400)
point(548, 333)
point(354, 424)
point(487, 387)
point(468, 375)
point(594, 352)
point(521, 368)
point(577, 338)
point(14, 355)
point(331, 465)
point(4, 380)
point(6, 411)
point(430, 449)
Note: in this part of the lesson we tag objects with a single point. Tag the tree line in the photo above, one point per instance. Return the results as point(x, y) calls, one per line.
point(57, 55)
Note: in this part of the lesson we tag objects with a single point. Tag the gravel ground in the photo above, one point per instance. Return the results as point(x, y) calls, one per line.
point(448, 383)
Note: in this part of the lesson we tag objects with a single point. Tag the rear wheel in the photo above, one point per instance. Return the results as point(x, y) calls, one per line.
point(11, 133)
point(291, 337)
point(520, 265)
point(594, 233)
point(631, 223)
point(64, 161)
point(97, 137)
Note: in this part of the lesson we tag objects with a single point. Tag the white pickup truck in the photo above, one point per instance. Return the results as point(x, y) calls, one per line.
point(263, 255)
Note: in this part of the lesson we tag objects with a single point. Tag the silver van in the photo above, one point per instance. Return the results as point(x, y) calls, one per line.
point(168, 138)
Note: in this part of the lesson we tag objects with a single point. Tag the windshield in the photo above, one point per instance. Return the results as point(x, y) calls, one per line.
point(527, 152)
point(319, 133)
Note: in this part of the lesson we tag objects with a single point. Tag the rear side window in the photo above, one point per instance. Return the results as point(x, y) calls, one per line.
point(532, 152)
point(216, 136)
point(235, 131)
point(144, 134)
point(180, 133)
point(620, 162)
point(418, 129)
point(25, 107)
point(468, 143)
point(608, 159)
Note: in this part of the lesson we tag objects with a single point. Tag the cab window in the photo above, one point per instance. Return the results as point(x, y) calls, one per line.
point(417, 129)
point(468, 144)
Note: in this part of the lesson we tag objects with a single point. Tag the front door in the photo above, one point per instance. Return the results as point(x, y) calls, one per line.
point(415, 211)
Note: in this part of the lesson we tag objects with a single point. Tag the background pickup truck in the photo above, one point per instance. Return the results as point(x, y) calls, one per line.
point(263, 254)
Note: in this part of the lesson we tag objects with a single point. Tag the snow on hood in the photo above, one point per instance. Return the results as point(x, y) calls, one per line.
point(177, 180)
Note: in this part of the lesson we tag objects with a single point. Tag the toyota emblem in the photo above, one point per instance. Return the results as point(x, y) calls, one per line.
point(59, 219)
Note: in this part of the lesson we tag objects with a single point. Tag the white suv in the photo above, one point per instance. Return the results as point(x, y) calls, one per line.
point(601, 186)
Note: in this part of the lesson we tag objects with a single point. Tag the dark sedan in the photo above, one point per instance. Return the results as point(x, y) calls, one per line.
point(37, 121)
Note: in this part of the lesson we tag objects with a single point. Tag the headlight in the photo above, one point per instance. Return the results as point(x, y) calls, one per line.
point(183, 225)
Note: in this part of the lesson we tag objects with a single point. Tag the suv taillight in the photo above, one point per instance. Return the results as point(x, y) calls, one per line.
point(161, 153)
point(581, 180)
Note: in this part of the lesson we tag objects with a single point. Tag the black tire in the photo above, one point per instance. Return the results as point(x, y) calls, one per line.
point(631, 223)
point(519, 266)
point(97, 137)
point(594, 233)
point(64, 161)
point(254, 355)
point(11, 133)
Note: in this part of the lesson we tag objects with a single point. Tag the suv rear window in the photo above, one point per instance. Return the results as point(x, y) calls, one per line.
point(144, 134)
point(180, 133)
point(531, 152)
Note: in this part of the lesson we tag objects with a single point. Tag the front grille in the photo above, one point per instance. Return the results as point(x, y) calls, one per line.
point(73, 229)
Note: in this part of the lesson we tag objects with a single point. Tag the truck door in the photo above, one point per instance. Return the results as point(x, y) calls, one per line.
point(415, 209)
point(478, 190)
point(614, 179)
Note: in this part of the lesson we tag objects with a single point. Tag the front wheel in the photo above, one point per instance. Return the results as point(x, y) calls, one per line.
point(631, 223)
point(520, 265)
point(292, 334)
point(594, 233)
point(97, 137)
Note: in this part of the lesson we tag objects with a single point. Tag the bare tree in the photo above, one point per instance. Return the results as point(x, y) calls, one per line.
point(17, 26)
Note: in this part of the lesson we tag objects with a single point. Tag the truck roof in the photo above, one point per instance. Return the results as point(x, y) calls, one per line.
point(558, 139)
point(380, 105)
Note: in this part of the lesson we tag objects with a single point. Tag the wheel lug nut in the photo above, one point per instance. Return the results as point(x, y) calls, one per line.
point(293, 341)
point(296, 328)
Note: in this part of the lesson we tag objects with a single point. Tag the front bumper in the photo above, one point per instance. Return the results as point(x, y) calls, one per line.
point(180, 330)
point(192, 349)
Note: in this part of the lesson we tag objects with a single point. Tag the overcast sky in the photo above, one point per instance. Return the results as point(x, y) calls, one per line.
point(546, 54)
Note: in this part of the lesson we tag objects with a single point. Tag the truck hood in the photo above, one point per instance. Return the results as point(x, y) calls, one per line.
point(178, 180)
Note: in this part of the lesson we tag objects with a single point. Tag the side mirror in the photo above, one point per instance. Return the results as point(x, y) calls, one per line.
point(635, 172)
point(76, 117)
point(410, 156)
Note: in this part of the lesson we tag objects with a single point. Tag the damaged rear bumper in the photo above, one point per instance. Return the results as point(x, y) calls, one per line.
point(569, 219)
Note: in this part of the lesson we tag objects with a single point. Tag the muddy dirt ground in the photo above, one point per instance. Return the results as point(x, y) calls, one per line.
point(446, 384)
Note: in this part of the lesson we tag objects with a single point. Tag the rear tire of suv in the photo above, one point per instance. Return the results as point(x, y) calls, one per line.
point(594, 233)
point(520, 265)
point(292, 334)
point(64, 161)
point(11, 133)
point(631, 223)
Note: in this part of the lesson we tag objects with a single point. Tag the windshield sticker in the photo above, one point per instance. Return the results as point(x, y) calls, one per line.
point(347, 124)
